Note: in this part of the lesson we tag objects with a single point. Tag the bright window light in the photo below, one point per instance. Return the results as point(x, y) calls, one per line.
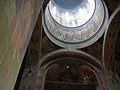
point(67, 17)
point(54, 10)
point(73, 18)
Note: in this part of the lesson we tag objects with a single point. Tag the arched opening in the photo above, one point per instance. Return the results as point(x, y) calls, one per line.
point(76, 56)
point(111, 51)
point(69, 75)
point(111, 39)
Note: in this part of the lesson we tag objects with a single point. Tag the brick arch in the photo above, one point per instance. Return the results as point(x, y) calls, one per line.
point(48, 60)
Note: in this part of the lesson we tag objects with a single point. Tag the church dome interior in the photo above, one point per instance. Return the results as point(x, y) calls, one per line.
point(73, 40)
point(59, 44)
point(75, 27)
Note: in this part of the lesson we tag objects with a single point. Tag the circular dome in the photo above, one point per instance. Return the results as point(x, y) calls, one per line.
point(82, 31)
point(71, 13)
point(67, 4)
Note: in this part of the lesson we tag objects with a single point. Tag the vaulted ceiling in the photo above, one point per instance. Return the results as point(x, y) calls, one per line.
point(105, 50)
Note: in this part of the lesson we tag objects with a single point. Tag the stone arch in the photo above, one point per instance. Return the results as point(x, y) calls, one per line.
point(110, 38)
point(48, 60)
point(109, 47)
